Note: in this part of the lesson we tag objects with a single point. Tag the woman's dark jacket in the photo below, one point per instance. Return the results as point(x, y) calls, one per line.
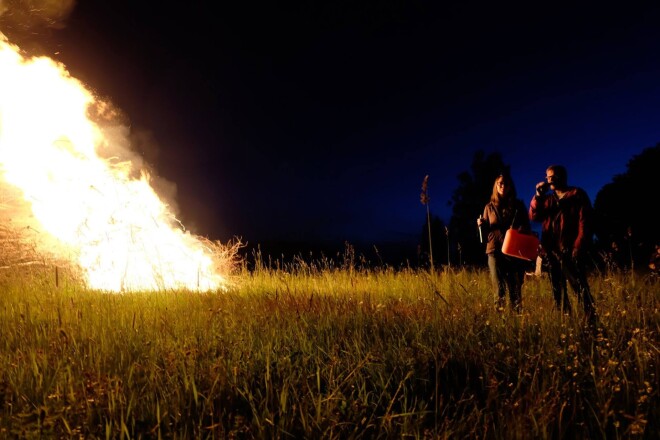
point(500, 218)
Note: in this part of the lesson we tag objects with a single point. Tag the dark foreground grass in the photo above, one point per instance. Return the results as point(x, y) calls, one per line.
point(328, 353)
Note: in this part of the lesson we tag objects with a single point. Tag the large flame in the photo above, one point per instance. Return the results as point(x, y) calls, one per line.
point(110, 222)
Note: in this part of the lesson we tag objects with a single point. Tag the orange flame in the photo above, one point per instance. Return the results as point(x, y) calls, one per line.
point(113, 225)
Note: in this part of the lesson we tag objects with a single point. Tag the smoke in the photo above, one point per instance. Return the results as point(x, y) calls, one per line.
point(33, 15)
point(30, 23)
point(136, 149)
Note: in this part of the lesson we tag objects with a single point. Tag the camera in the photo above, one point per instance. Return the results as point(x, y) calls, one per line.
point(543, 188)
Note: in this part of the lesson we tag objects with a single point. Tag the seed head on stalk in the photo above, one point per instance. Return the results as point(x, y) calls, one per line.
point(425, 199)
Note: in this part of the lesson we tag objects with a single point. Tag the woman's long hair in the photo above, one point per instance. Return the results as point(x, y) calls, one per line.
point(510, 194)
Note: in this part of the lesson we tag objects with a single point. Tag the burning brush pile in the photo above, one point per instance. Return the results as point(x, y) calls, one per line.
point(72, 191)
point(24, 251)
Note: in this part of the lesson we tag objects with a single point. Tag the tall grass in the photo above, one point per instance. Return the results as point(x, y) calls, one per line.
point(330, 350)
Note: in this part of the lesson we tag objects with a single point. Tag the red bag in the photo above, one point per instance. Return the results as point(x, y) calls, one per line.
point(524, 245)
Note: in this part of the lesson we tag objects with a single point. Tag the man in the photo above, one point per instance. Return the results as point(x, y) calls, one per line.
point(566, 233)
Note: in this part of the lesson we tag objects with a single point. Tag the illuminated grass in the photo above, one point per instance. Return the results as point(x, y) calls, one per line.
point(325, 351)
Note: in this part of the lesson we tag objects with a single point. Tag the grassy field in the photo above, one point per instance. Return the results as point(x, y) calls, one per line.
point(323, 351)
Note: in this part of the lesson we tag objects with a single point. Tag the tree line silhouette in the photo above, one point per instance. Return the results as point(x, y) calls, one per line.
point(625, 229)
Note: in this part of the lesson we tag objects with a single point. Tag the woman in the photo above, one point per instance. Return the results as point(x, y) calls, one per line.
point(504, 211)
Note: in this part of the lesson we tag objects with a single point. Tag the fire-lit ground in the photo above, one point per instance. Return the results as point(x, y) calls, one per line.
point(71, 185)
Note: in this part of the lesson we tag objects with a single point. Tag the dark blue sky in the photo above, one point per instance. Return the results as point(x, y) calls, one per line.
point(296, 122)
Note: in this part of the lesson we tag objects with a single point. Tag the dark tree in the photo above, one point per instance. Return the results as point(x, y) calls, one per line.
point(468, 203)
point(626, 225)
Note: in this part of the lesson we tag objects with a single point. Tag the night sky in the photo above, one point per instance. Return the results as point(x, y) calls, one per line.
point(317, 121)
